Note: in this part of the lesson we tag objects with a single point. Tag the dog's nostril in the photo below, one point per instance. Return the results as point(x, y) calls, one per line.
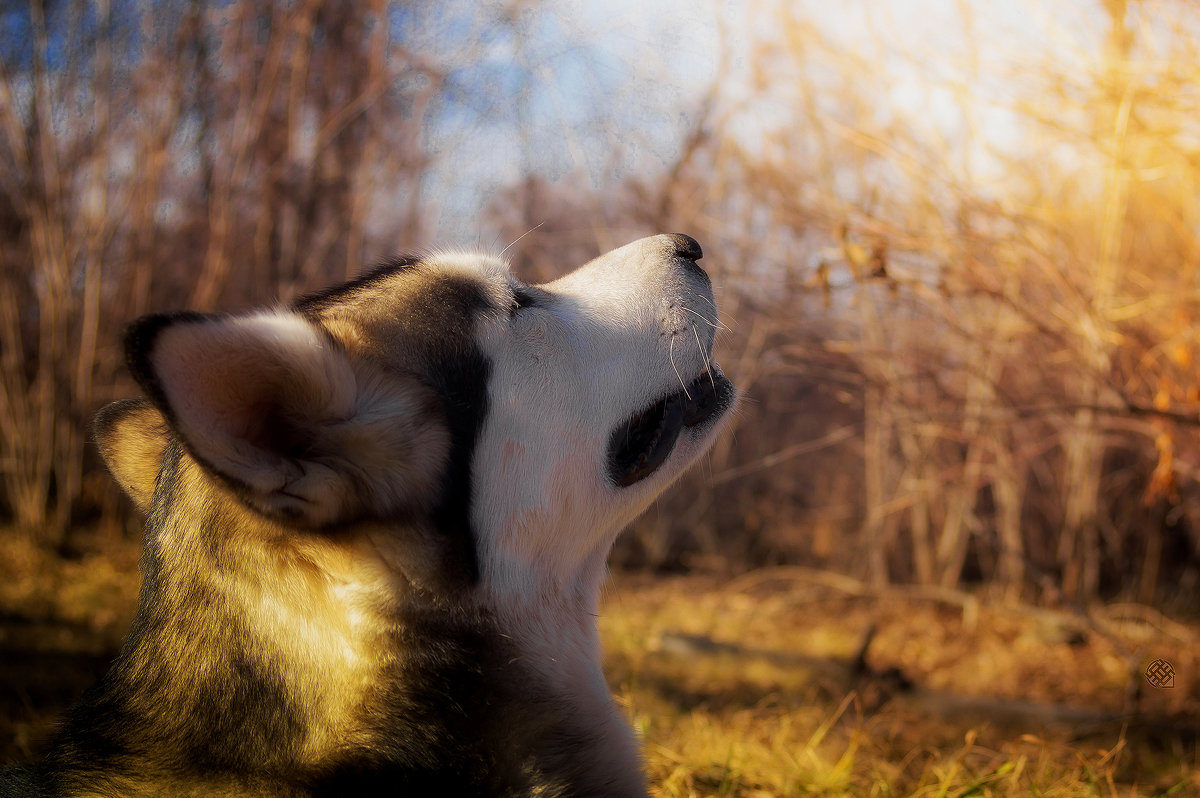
point(686, 246)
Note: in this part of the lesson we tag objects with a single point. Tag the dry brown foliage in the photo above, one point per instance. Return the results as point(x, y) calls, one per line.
point(960, 278)
point(192, 156)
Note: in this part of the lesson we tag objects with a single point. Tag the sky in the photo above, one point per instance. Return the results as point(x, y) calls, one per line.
point(597, 90)
point(591, 91)
point(611, 86)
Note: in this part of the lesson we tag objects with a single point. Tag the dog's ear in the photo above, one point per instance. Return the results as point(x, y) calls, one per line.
point(131, 436)
point(272, 405)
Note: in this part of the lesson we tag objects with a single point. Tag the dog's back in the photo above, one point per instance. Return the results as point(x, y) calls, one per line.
point(377, 525)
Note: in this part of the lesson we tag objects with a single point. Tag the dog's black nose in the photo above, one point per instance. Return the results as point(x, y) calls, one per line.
point(686, 246)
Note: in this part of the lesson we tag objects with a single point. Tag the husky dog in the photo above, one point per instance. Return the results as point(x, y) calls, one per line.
point(377, 528)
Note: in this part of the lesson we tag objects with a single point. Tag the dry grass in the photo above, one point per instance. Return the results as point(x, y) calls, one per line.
point(759, 719)
point(766, 709)
point(968, 348)
point(91, 590)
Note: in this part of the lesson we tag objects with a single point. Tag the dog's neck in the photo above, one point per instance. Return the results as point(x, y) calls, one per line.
point(552, 621)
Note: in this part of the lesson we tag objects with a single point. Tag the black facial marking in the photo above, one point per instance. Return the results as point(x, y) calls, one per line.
point(459, 373)
point(640, 445)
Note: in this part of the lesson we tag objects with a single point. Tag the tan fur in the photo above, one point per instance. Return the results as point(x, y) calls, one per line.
point(319, 603)
point(131, 437)
point(371, 440)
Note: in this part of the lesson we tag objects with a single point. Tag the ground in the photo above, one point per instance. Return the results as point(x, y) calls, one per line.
point(779, 682)
point(748, 687)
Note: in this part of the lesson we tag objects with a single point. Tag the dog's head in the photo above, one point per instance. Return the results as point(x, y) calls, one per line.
point(525, 425)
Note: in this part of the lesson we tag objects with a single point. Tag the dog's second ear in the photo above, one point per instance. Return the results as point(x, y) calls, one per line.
point(132, 436)
point(274, 407)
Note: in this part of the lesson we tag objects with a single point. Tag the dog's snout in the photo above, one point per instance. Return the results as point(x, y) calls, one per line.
point(648, 267)
point(686, 246)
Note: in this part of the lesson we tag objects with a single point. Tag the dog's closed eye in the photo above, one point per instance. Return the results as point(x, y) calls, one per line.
point(523, 298)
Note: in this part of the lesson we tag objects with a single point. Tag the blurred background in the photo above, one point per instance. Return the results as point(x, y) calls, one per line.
point(956, 244)
point(956, 247)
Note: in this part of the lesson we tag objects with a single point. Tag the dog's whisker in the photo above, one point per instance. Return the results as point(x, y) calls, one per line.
point(701, 316)
point(518, 238)
point(712, 303)
point(716, 325)
point(717, 311)
point(704, 357)
point(678, 376)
